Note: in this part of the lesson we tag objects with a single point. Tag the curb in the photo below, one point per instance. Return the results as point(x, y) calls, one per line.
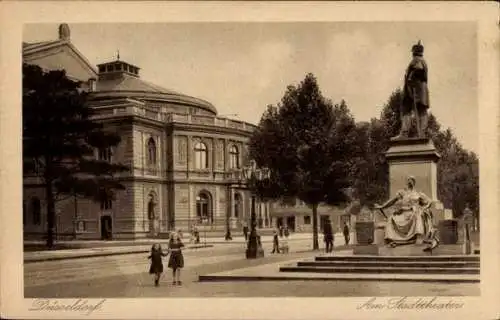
point(215, 278)
point(96, 255)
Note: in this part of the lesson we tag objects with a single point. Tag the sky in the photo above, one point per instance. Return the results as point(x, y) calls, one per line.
point(243, 67)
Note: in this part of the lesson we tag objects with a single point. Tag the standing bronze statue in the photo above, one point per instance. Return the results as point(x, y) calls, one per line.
point(415, 95)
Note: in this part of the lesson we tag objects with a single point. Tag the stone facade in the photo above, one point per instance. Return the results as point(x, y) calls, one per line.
point(183, 159)
point(298, 217)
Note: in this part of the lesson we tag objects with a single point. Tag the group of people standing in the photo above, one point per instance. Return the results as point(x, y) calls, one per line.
point(175, 262)
point(280, 240)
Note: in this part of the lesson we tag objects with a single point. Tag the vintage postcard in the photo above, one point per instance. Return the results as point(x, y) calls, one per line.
point(254, 160)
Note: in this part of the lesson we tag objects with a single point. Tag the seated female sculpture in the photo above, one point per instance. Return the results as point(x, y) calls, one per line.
point(411, 222)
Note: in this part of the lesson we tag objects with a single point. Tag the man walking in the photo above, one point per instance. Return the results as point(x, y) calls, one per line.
point(245, 232)
point(346, 232)
point(328, 235)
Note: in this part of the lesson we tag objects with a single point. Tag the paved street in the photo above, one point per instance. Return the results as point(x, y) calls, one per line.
point(126, 276)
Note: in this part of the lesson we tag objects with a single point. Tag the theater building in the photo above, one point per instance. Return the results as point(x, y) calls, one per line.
point(184, 160)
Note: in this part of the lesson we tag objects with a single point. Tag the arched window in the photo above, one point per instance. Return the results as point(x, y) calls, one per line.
point(36, 211)
point(151, 151)
point(238, 205)
point(204, 208)
point(234, 157)
point(201, 155)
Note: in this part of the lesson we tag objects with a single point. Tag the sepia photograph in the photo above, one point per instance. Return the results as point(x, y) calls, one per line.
point(252, 159)
point(282, 184)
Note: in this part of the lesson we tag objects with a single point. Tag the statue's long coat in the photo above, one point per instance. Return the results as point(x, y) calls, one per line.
point(415, 81)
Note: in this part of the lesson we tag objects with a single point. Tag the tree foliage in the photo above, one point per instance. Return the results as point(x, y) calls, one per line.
point(59, 140)
point(319, 154)
point(306, 140)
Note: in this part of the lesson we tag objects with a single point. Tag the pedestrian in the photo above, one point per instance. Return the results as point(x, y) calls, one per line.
point(276, 242)
point(328, 236)
point(156, 267)
point(281, 230)
point(245, 232)
point(196, 235)
point(191, 236)
point(176, 261)
point(284, 246)
point(346, 231)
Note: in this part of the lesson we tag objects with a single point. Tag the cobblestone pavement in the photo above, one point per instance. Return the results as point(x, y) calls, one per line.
point(126, 276)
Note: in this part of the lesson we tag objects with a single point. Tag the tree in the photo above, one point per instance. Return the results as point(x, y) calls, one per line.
point(59, 139)
point(305, 141)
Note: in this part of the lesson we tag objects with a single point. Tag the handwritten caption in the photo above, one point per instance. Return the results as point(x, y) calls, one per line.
point(407, 303)
point(81, 306)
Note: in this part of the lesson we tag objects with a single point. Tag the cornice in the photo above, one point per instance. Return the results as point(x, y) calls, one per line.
point(176, 98)
point(172, 127)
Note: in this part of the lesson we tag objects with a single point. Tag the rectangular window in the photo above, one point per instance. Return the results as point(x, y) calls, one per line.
point(104, 154)
point(307, 219)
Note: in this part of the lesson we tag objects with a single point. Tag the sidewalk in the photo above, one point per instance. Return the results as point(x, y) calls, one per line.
point(85, 249)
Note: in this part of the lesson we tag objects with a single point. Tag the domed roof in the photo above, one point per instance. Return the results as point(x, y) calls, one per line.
point(119, 79)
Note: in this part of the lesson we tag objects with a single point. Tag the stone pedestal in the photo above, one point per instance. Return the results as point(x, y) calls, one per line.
point(366, 250)
point(449, 231)
point(379, 233)
point(417, 157)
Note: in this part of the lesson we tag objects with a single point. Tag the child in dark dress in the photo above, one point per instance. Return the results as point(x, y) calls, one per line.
point(176, 261)
point(156, 267)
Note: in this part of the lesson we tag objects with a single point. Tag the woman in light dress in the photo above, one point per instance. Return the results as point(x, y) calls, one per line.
point(412, 219)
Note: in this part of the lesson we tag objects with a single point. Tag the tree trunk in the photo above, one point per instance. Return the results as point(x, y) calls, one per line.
point(315, 226)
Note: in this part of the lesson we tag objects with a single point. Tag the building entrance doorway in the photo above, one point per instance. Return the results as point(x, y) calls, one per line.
point(322, 222)
point(290, 223)
point(279, 222)
point(106, 228)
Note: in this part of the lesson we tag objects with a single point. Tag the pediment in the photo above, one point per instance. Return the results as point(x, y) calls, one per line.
point(62, 55)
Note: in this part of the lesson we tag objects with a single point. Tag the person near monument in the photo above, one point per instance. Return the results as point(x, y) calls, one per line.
point(415, 95)
point(346, 233)
point(276, 242)
point(411, 221)
point(328, 235)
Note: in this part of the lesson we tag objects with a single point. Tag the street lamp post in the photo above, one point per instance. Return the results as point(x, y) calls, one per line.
point(228, 236)
point(252, 174)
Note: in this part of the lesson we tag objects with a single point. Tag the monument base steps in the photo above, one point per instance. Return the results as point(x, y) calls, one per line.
point(408, 250)
point(397, 265)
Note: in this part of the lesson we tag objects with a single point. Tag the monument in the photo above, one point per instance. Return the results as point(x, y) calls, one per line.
point(412, 161)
